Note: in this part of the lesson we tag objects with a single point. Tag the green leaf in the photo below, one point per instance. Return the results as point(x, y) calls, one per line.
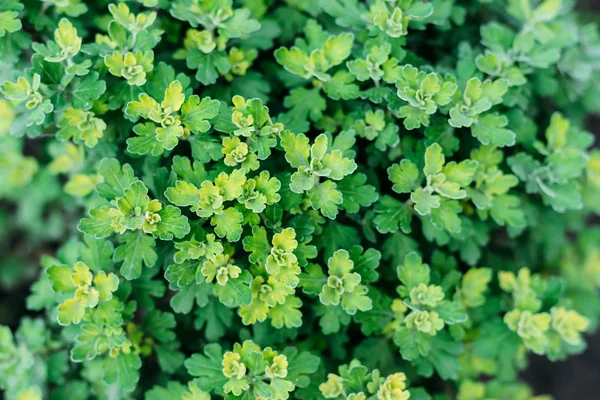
point(444, 356)
point(209, 66)
point(160, 325)
point(182, 274)
point(326, 198)
point(9, 22)
point(446, 215)
point(216, 318)
point(195, 113)
point(193, 173)
point(287, 314)
point(136, 249)
point(123, 370)
point(366, 263)
point(184, 300)
point(184, 194)
point(257, 245)
point(490, 130)
point(341, 86)
point(171, 391)
point(117, 178)
point(338, 165)
point(99, 224)
point(146, 141)
point(228, 224)
point(293, 60)
point(404, 176)
point(239, 25)
point(473, 286)
point(207, 367)
point(337, 48)
point(434, 160)
point(391, 215)
point(356, 193)
point(424, 201)
point(171, 224)
point(412, 272)
point(87, 90)
point(451, 312)
point(236, 292)
point(297, 148)
point(205, 148)
point(347, 13)
point(304, 104)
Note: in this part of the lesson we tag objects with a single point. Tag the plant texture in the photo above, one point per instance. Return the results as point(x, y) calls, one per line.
point(294, 199)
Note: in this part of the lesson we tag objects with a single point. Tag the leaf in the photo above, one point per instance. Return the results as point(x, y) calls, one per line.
point(326, 198)
point(205, 148)
point(446, 215)
point(228, 224)
point(391, 215)
point(287, 314)
point(296, 148)
point(171, 224)
point(171, 391)
point(419, 10)
point(184, 300)
point(18, 90)
point(425, 201)
point(336, 236)
point(159, 325)
point(365, 263)
point(123, 369)
point(209, 66)
point(71, 311)
point(490, 130)
point(293, 60)
point(236, 292)
point(193, 173)
point(216, 318)
point(413, 272)
point(136, 248)
point(174, 97)
point(434, 160)
point(142, 107)
point(117, 178)
point(207, 367)
point(184, 194)
point(338, 165)
point(60, 276)
point(9, 22)
point(87, 90)
point(404, 176)
point(257, 245)
point(347, 13)
point(304, 104)
point(444, 356)
point(356, 193)
point(99, 224)
point(337, 48)
point(195, 113)
point(473, 285)
point(182, 274)
point(341, 86)
point(356, 300)
point(240, 24)
point(451, 312)
point(146, 141)
point(461, 174)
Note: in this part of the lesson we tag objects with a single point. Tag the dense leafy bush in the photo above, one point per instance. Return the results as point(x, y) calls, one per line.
point(265, 199)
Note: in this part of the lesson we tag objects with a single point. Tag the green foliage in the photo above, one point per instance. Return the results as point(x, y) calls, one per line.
point(257, 199)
